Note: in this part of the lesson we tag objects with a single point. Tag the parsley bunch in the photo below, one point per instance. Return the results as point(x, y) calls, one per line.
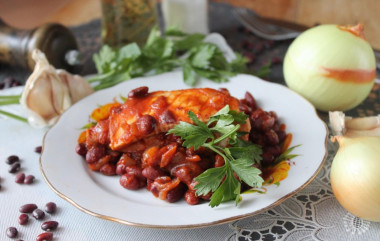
point(239, 156)
point(162, 54)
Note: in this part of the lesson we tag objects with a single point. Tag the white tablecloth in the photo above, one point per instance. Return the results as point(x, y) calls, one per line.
point(312, 214)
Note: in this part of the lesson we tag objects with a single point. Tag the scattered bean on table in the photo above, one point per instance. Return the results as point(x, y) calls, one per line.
point(38, 214)
point(12, 232)
point(50, 207)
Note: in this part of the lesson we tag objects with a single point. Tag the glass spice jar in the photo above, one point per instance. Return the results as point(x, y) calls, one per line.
point(127, 21)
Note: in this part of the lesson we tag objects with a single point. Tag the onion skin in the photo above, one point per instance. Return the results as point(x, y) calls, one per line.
point(332, 66)
point(355, 177)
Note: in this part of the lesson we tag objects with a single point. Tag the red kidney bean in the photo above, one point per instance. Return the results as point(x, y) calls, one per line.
point(23, 219)
point(81, 149)
point(12, 232)
point(267, 158)
point(108, 169)
point(124, 161)
point(50, 207)
point(49, 225)
point(167, 117)
point(38, 149)
point(268, 123)
point(271, 137)
point(146, 124)
point(12, 159)
point(138, 92)
point(38, 214)
point(47, 236)
point(136, 170)
point(274, 150)
point(244, 108)
point(250, 100)
point(28, 208)
point(176, 193)
point(95, 153)
point(29, 179)
point(130, 181)
point(152, 173)
point(281, 135)
point(20, 177)
point(224, 91)
point(15, 167)
point(191, 198)
point(186, 173)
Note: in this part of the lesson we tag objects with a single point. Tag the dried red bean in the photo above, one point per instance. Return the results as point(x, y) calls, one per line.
point(176, 193)
point(250, 100)
point(152, 173)
point(29, 179)
point(191, 198)
point(167, 117)
point(12, 232)
point(51, 207)
point(12, 159)
point(108, 169)
point(268, 123)
point(268, 158)
point(20, 177)
point(81, 149)
point(38, 214)
point(146, 124)
point(49, 225)
point(28, 208)
point(47, 236)
point(138, 92)
point(271, 137)
point(130, 181)
point(15, 167)
point(23, 219)
point(136, 170)
point(95, 153)
point(38, 149)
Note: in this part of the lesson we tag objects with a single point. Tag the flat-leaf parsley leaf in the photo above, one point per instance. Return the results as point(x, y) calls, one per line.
point(239, 156)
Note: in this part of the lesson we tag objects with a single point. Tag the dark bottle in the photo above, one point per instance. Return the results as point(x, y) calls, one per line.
point(55, 40)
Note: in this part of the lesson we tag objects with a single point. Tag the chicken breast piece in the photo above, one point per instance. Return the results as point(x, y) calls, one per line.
point(160, 111)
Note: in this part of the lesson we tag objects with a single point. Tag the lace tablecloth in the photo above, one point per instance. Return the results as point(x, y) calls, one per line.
point(312, 214)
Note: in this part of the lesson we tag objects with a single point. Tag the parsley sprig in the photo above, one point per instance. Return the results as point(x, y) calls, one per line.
point(239, 155)
point(162, 54)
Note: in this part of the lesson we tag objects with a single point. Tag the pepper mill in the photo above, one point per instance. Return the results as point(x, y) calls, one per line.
point(55, 40)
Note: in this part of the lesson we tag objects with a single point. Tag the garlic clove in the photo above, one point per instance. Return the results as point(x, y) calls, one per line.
point(364, 123)
point(354, 127)
point(78, 86)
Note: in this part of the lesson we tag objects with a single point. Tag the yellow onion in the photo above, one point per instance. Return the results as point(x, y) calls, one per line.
point(355, 178)
point(332, 66)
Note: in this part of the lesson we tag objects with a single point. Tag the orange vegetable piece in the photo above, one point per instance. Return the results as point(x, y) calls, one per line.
point(103, 112)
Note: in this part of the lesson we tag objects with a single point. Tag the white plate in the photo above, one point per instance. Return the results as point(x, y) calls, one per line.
point(102, 196)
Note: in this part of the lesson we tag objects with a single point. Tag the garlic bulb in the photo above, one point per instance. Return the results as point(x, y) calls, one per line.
point(49, 92)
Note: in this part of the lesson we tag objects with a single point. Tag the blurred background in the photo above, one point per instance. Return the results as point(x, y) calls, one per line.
point(83, 19)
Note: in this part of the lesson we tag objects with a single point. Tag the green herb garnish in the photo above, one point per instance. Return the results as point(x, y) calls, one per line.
point(239, 156)
point(162, 54)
